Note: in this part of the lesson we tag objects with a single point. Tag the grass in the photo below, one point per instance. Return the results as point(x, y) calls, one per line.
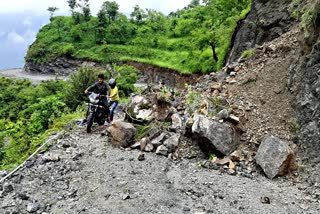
point(311, 16)
point(142, 131)
point(294, 125)
point(248, 53)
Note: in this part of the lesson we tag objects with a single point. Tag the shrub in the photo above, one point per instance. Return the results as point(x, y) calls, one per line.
point(68, 50)
point(78, 83)
point(76, 33)
point(127, 78)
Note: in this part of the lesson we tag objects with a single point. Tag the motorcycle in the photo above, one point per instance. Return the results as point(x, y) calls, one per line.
point(96, 111)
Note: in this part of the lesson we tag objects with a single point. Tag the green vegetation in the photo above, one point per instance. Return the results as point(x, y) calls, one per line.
point(142, 131)
point(194, 39)
point(311, 16)
point(29, 113)
point(308, 12)
point(248, 53)
point(193, 100)
point(26, 113)
point(294, 125)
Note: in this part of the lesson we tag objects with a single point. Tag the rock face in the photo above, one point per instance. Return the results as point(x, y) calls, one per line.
point(122, 133)
point(62, 66)
point(212, 134)
point(266, 21)
point(275, 157)
point(154, 75)
point(308, 104)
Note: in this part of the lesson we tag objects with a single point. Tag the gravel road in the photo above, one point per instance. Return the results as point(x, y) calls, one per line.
point(83, 173)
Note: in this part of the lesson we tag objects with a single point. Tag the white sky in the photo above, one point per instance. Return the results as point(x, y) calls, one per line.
point(126, 6)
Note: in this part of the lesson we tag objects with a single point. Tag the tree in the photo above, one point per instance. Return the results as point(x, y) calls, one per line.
point(102, 18)
point(111, 8)
point(52, 10)
point(194, 3)
point(85, 7)
point(138, 15)
point(72, 4)
point(60, 24)
point(156, 20)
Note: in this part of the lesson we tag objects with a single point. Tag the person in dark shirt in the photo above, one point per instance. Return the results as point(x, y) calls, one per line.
point(102, 88)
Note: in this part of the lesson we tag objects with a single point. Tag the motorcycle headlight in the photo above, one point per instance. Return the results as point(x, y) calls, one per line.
point(94, 98)
point(94, 101)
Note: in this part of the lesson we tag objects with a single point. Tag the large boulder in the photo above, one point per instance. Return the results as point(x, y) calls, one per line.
point(215, 135)
point(139, 108)
point(122, 133)
point(275, 157)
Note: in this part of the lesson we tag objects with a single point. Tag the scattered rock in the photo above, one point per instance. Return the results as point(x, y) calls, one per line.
point(122, 133)
point(232, 165)
point(221, 162)
point(277, 91)
point(50, 157)
point(233, 74)
point(235, 156)
point(126, 197)
point(32, 207)
point(149, 147)
point(234, 119)
point(275, 157)
point(23, 196)
point(237, 69)
point(221, 137)
point(265, 200)
point(172, 142)
point(223, 114)
point(141, 157)
point(143, 143)
point(7, 188)
point(3, 173)
point(176, 121)
point(162, 150)
point(186, 209)
point(210, 165)
point(30, 162)
point(232, 172)
point(216, 86)
point(136, 145)
point(144, 114)
point(158, 140)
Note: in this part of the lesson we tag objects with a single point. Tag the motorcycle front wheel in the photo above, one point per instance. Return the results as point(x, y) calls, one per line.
point(89, 122)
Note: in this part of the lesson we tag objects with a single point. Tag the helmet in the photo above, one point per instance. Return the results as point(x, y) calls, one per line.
point(112, 83)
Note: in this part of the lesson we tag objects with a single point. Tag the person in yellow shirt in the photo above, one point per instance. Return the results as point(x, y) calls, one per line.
point(114, 97)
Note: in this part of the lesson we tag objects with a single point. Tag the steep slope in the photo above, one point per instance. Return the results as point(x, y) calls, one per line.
point(308, 99)
point(266, 21)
